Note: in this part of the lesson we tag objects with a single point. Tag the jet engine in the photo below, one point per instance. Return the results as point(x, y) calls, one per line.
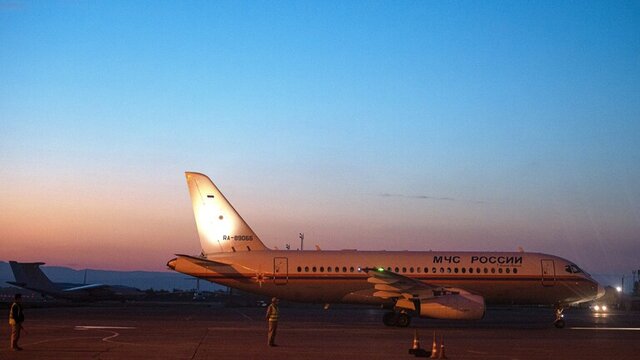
point(453, 306)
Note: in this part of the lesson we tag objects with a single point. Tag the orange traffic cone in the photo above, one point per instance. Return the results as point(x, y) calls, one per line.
point(434, 347)
point(416, 344)
point(442, 355)
point(415, 347)
point(416, 341)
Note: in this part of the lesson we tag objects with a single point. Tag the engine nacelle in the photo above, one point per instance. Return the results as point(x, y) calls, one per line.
point(453, 306)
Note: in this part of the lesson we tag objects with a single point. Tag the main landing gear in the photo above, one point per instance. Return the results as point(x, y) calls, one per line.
point(399, 319)
point(559, 322)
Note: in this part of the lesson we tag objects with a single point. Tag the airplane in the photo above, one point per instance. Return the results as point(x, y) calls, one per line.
point(29, 276)
point(432, 284)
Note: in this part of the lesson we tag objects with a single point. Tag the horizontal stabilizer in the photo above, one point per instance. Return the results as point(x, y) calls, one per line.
point(204, 262)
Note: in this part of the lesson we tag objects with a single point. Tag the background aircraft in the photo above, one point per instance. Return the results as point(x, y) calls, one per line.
point(30, 276)
point(443, 285)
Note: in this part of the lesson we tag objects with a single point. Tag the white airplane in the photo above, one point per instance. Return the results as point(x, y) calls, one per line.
point(441, 285)
point(29, 276)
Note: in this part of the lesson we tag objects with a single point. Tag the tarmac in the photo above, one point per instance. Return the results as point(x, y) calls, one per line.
point(205, 331)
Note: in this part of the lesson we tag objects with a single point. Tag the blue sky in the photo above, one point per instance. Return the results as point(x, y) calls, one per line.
point(491, 124)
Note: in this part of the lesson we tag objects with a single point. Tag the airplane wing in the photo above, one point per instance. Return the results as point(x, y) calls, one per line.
point(87, 288)
point(389, 284)
point(102, 292)
point(440, 302)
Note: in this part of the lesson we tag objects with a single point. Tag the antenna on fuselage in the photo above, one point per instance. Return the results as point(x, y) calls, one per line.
point(301, 236)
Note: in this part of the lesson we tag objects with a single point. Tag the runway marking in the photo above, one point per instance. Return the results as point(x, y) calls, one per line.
point(107, 329)
point(477, 352)
point(606, 328)
point(90, 327)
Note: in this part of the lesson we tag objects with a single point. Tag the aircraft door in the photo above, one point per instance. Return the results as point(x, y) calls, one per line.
point(280, 270)
point(548, 272)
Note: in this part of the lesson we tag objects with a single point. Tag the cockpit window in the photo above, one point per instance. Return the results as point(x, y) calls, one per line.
point(572, 269)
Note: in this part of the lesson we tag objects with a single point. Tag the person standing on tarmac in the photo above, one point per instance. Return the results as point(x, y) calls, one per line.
point(16, 317)
point(272, 318)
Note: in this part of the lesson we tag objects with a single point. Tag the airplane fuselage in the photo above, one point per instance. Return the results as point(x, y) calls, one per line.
point(338, 276)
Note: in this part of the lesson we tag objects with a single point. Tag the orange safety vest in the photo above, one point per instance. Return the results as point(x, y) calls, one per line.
point(15, 314)
point(272, 312)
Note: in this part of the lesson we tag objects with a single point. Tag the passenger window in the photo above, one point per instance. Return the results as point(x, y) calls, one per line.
point(337, 269)
point(397, 269)
point(344, 269)
point(328, 268)
point(486, 271)
point(351, 269)
point(411, 270)
point(306, 269)
point(441, 270)
point(433, 270)
point(455, 270)
point(426, 270)
point(321, 268)
point(404, 269)
point(448, 270)
point(515, 271)
point(299, 269)
point(507, 270)
point(464, 270)
point(314, 269)
point(493, 270)
point(500, 270)
point(470, 270)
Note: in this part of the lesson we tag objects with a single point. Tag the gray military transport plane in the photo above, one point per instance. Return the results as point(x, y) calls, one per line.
point(30, 276)
point(440, 285)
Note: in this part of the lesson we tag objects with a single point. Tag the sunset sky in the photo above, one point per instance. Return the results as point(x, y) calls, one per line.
point(364, 124)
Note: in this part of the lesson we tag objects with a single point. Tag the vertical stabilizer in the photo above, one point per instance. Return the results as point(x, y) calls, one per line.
point(220, 227)
point(30, 276)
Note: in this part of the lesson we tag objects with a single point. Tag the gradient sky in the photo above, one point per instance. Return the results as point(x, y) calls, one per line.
point(365, 124)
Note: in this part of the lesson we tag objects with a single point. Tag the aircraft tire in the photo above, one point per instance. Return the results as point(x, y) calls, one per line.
point(390, 318)
point(403, 320)
point(559, 323)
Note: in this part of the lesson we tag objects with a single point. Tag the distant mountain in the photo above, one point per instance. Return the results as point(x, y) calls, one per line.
point(142, 280)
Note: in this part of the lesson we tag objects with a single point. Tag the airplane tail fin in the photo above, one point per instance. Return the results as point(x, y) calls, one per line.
point(220, 227)
point(30, 276)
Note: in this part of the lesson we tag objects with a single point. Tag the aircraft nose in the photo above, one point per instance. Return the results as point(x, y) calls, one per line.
point(172, 264)
point(600, 291)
